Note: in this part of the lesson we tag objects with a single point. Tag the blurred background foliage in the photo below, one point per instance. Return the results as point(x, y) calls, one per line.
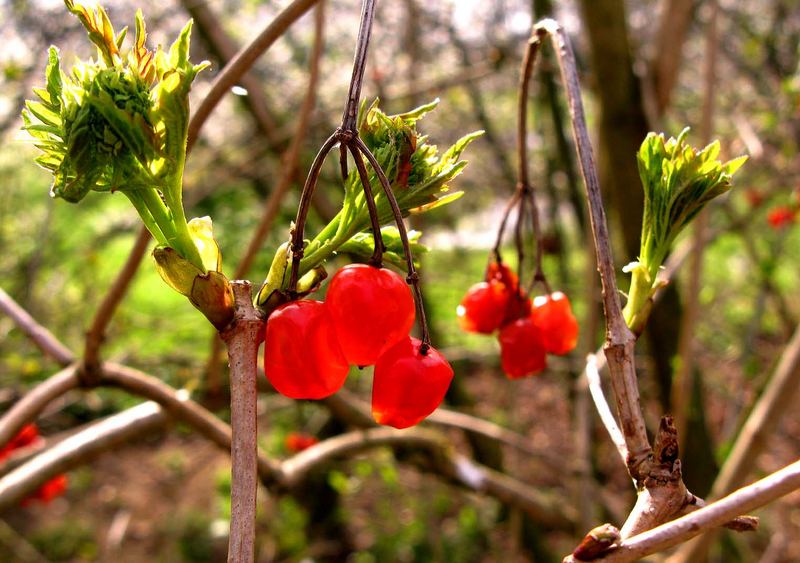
point(165, 499)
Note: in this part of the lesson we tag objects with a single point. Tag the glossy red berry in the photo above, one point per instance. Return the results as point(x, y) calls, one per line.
point(522, 350)
point(553, 315)
point(299, 441)
point(502, 273)
point(518, 307)
point(407, 385)
point(302, 357)
point(372, 309)
point(484, 307)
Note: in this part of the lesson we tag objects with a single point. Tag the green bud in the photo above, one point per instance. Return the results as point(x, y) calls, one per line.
point(678, 180)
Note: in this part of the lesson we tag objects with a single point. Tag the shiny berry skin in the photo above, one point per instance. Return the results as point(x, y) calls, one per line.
point(502, 273)
point(302, 357)
point(553, 315)
point(518, 307)
point(522, 350)
point(299, 441)
point(372, 310)
point(407, 385)
point(483, 308)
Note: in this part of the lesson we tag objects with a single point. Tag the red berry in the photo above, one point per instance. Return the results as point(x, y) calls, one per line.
point(483, 308)
point(302, 358)
point(408, 386)
point(28, 435)
point(779, 217)
point(518, 307)
point(559, 327)
point(299, 441)
point(522, 350)
point(754, 197)
point(502, 273)
point(372, 309)
point(52, 489)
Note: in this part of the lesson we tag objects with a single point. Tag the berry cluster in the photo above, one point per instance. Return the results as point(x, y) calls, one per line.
point(53, 488)
point(528, 329)
point(365, 320)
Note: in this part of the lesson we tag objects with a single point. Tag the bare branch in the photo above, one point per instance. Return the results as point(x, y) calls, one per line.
point(97, 331)
point(619, 339)
point(35, 401)
point(596, 390)
point(77, 449)
point(40, 336)
point(714, 515)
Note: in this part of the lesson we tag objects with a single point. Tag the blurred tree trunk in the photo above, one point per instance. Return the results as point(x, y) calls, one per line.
point(623, 126)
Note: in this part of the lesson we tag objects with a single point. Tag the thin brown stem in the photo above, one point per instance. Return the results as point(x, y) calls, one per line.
point(512, 203)
point(302, 209)
point(619, 339)
point(377, 254)
point(105, 312)
point(524, 183)
point(359, 64)
point(35, 401)
point(43, 338)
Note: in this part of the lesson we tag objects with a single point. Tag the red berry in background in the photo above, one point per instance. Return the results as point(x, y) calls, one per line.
point(28, 435)
point(372, 309)
point(779, 217)
point(754, 197)
point(552, 314)
point(299, 441)
point(52, 489)
point(407, 385)
point(302, 357)
point(483, 308)
point(522, 350)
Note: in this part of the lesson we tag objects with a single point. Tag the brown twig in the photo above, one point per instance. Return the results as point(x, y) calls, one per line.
point(619, 339)
point(243, 337)
point(40, 336)
point(35, 401)
point(75, 450)
point(711, 516)
point(96, 333)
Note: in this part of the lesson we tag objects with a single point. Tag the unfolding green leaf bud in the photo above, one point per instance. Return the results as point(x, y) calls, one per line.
point(678, 180)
